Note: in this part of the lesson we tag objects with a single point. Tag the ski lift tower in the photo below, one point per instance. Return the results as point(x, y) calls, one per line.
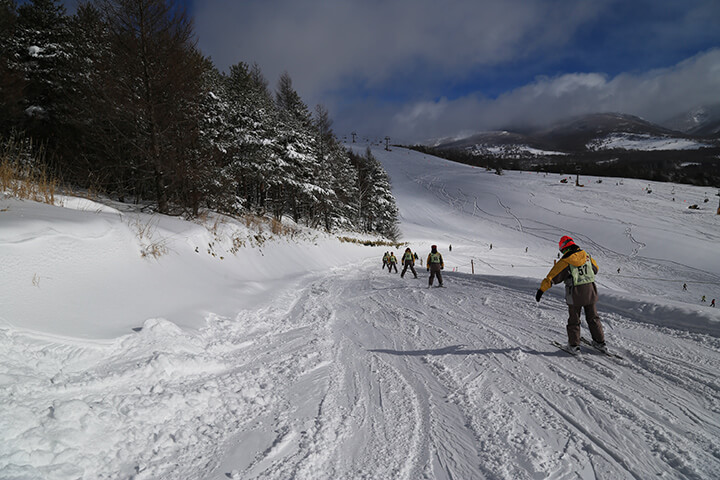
point(387, 143)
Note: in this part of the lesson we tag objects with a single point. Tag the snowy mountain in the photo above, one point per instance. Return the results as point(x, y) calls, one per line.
point(702, 121)
point(582, 134)
point(502, 144)
point(147, 347)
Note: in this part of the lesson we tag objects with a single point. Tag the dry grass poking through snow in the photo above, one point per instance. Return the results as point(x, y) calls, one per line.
point(22, 174)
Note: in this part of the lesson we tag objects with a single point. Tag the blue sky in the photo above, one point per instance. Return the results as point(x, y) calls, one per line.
point(421, 69)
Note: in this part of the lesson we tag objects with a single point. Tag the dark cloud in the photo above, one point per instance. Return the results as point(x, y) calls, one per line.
point(415, 69)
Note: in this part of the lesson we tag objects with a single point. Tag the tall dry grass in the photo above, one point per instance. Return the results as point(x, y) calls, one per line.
point(23, 173)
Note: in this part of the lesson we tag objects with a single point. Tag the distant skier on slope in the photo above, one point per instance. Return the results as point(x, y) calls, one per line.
point(434, 265)
point(577, 269)
point(385, 259)
point(408, 260)
point(392, 262)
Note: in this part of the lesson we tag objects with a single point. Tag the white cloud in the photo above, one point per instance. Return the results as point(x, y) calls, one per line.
point(656, 96)
point(416, 47)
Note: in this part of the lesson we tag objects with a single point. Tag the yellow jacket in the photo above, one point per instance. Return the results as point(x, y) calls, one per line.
point(560, 272)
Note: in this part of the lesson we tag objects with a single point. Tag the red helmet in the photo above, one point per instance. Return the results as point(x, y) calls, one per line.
point(566, 242)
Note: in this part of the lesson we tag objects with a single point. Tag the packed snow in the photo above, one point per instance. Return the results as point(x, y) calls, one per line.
point(147, 347)
point(644, 142)
point(512, 151)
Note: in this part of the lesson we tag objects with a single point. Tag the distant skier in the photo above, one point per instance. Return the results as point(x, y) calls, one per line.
point(712, 304)
point(434, 265)
point(450, 248)
point(385, 259)
point(408, 260)
point(684, 287)
point(703, 299)
point(577, 269)
point(392, 263)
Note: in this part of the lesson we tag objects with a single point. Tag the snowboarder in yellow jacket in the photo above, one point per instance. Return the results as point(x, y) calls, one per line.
point(577, 269)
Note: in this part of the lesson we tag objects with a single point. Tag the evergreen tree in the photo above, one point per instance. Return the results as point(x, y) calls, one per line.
point(252, 168)
point(85, 147)
point(135, 109)
point(11, 78)
point(376, 204)
point(41, 54)
point(296, 142)
point(153, 86)
point(338, 176)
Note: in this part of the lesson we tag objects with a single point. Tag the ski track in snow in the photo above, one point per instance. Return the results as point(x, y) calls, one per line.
point(344, 380)
point(358, 374)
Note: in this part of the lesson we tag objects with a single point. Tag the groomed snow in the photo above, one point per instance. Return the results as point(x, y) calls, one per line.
point(644, 142)
point(514, 151)
point(300, 358)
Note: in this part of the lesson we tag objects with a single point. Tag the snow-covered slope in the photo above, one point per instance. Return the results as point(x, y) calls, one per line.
point(301, 358)
point(644, 142)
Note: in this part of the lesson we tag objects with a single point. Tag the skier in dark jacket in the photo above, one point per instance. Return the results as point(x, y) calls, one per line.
point(408, 260)
point(434, 265)
point(577, 269)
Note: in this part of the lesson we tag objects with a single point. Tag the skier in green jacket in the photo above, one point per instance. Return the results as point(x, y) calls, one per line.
point(408, 260)
point(434, 265)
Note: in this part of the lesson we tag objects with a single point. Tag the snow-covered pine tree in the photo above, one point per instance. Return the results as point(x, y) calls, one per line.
point(376, 204)
point(298, 153)
point(41, 52)
point(215, 140)
point(84, 149)
point(11, 78)
point(338, 208)
point(250, 168)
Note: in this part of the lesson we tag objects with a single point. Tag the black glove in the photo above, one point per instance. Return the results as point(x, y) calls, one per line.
point(538, 295)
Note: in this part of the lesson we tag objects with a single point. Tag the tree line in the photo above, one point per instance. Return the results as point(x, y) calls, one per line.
point(694, 167)
point(122, 101)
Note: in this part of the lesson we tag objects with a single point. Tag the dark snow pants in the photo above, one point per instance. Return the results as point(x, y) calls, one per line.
point(408, 264)
point(593, 322)
point(391, 266)
point(435, 270)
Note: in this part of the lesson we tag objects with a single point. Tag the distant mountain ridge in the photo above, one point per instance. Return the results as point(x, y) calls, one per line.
point(603, 144)
point(701, 121)
point(590, 132)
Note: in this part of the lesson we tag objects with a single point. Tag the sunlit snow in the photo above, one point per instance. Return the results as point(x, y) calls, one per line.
point(645, 142)
point(240, 355)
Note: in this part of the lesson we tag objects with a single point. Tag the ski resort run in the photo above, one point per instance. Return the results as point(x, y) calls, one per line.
point(645, 142)
point(148, 347)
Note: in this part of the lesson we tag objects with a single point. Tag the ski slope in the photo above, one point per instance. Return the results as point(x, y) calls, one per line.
point(303, 359)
